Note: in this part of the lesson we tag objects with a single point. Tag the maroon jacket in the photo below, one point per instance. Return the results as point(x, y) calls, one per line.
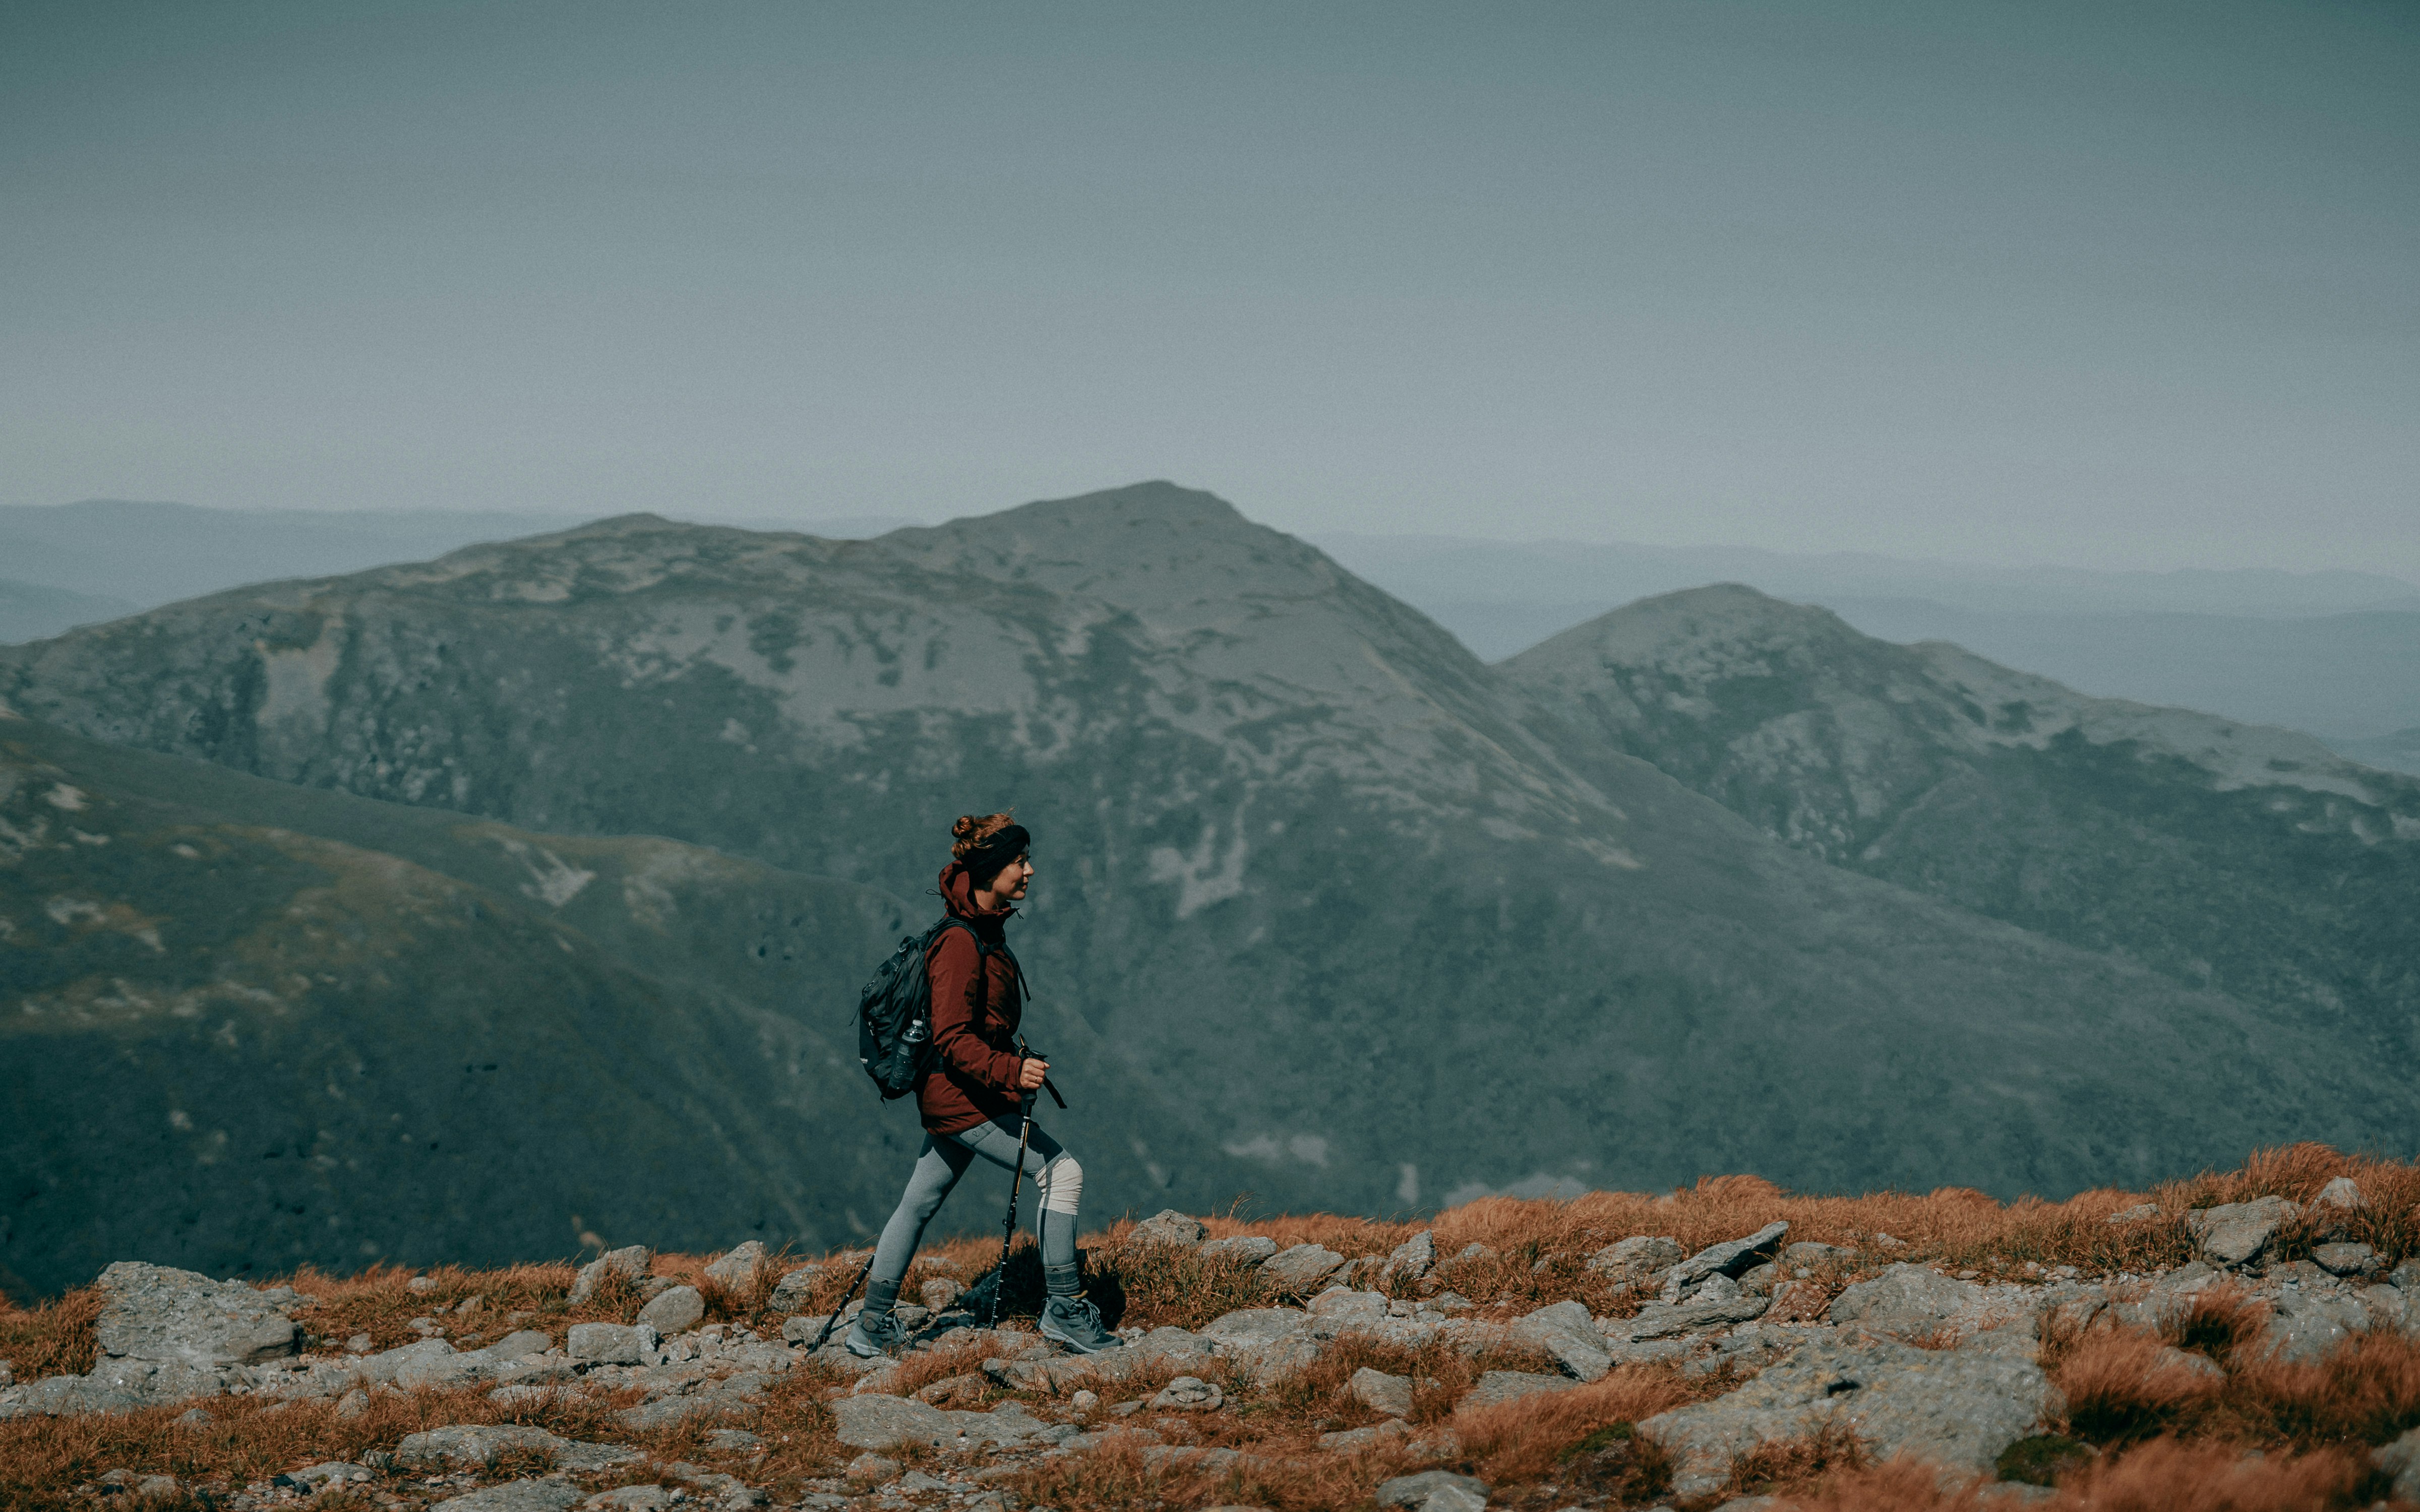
point(973, 1079)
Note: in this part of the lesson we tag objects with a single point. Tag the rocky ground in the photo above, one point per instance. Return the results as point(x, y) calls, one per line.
point(1759, 1370)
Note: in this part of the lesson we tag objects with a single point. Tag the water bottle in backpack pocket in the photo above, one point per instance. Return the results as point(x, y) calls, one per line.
point(894, 1014)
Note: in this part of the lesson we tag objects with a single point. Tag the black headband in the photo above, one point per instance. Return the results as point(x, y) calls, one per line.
point(996, 850)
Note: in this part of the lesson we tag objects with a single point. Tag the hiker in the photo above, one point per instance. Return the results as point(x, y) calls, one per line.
point(977, 1095)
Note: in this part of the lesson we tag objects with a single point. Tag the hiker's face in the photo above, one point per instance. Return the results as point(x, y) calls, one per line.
point(1009, 887)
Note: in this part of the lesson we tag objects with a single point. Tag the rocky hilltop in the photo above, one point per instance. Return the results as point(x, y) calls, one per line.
point(1691, 1351)
point(2241, 857)
point(1398, 929)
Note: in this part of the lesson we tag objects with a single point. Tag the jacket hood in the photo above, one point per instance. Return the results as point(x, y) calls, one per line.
point(958, 897)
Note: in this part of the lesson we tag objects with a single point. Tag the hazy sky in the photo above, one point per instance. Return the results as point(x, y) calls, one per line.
point(2134, 285)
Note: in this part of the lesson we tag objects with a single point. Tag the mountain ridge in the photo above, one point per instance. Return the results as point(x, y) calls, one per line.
point(1296, 843)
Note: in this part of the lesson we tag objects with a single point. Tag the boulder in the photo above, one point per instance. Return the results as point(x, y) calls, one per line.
point(631, 1263)
point(939, 1293)
point(1299, 1272)
point(1728, 1258)
point(2305, 1324)
point(790, 1293)
point(1565, 1331)
point(1411, 1260)
point(1356, 1440)
point(152, 1312)
point(737, 1269)
point(2234, 1234)
point(1380, 1392)
point(482, 1443)
point(609, 1343)
point(873, 1421)
point(1662, 1320)
point(1498, 1387)
point(1638, 1257)
point(1343, 1310)
point(1252, 1249)
point(1435, 1490)
point(1170, 1343)
point(1956, 1408)
point(675, 1311)
point(1806, 1254)
point(1905, 1302)
point(530, 1495)
point(1189, 1394)
point(1169, 1227)
point(2139, 1214)
point(2342, 1192)
point(2400, 1459)
point(2347, 1259)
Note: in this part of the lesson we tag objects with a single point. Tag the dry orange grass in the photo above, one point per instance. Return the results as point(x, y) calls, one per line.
point(1525, 1440)
point(54, 1339)
point(2123, 1384)
point(2164, 1475)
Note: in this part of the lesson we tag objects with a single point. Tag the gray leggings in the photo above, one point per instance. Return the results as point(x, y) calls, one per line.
point(1058, 1186)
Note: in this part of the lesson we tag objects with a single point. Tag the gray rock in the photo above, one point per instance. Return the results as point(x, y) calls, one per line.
point(1565, 1331)
point(330, 1473)
point(516, 1496)
point(630, 1262)
point(1253, 1327)
point(2342, 1192)
point(790, 1293)
point(1806, 1254)
point(877, 1421)
point(733, 1440)
point(1498, 1387)
point(1169, 1227)
point(1299, 1270)
point(676, 1311)
point(1381, 1392)
point(2401, 1460)
point(737, 1269)
point(1354, 1441)
point(2406, 1276)
point(1638, 1257)
point(1252, 1249)
point(1956, 1408)
point(2234, 1234)
point(1728, 1259)
point(1343, 1310)
point(2304, 1324)
point(152, 1312)
point(631, 1499)
point(1415, 1491)
point(648, 1416)
point(1411, 1260)
point(609, 1343)
point(1661, 1320)
point(2139, 1212)
point(1189, 1394)
point(480, 1443)
point(1168, 1343)
point(941, 1293)
point(2347, 1259)
point(1905, 1301)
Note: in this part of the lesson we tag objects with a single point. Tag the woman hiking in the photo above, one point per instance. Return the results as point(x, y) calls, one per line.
point(976, 1095)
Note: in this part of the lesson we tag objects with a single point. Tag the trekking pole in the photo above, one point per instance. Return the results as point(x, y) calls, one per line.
point(833, 1321)
point(1008, 1228)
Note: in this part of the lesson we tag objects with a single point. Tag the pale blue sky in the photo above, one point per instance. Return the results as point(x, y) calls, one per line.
point(2133, 286)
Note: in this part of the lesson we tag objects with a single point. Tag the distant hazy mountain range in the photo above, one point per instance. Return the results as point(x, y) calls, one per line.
point(2333, 652)
point(1325, 896)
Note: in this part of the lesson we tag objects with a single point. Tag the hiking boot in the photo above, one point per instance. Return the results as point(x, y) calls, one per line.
point(877, 1330)
point(1076, 1323)
point(875, 1334)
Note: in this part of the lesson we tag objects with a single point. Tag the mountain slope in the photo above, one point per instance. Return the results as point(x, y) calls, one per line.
point(1303, 857)
point(2241, 858)
point(251, 1025)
